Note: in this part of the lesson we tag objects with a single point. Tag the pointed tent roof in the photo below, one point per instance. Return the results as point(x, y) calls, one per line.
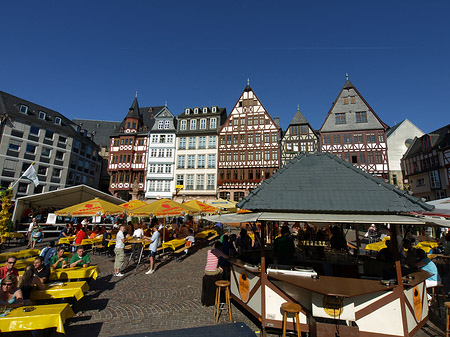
point(324, 183)
point(134, 110)
point(298, 118)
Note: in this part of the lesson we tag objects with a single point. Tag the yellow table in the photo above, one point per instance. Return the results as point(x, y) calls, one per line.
point(20, 254)
point(12, 235)
point(174, 244)
point(377, 246)
point(21, 264)
point(426, 245)
point(204, 234)
point(43, 317)
point(67, 240)
point(65, 290)
point(74, 273)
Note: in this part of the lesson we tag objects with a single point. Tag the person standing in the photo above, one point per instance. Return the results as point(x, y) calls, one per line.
point(30, 228)
point(36, 234)
point(119, 250)
point(154, 242)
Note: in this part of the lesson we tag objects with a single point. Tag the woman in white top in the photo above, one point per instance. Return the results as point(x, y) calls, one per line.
point(137, 234)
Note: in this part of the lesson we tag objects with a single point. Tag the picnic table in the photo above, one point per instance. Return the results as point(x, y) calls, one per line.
point(173, 244)
point(426, 245)
point(205, 233)
point(8, 236)
point(20, 254)
point(61, 290)
point(75, 273)
point(377, 246)
point(22, 263)
point(67, 240)
point(41, 317)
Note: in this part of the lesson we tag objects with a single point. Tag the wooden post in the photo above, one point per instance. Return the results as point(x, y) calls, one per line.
point(263, 278)
point(398, 267)
point(358, 242)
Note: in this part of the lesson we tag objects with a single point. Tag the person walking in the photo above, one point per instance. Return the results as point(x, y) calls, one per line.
point(119, 250)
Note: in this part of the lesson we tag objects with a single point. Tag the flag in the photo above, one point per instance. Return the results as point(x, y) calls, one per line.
point(31, 175)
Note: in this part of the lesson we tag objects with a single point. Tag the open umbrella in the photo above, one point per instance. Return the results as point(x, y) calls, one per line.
point(227, 205)
point(202, 207)
point(164, 207)
point(93, 207)
point(133, 204)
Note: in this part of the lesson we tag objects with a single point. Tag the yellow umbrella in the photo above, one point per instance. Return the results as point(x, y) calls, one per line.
point(164, 207)
point(93, 207)
point(133, 204)
point(202, 207)
point(227, 205)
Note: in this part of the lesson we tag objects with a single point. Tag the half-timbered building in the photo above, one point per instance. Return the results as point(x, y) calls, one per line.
point(249, 147)
point(299, 137)
point(128, 152)
point(353, 131)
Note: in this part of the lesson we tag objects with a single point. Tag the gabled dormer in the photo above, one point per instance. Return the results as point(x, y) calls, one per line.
point(164, 120)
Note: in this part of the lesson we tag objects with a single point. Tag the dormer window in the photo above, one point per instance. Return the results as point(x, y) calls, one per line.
point(57, 121)
point(166, 124)
point(23, 109)
point(205, 110)
point(195, 111)
point(160, 125)
point(187, 111)
point(214, 109)
point(41, 115)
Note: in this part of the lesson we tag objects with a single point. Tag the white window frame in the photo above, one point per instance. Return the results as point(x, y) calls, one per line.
point(213, 123)
point(41, 115)
point(195, 111)
point(183, 124)
point(57, 120)
point(205, 110)
point(203, 124)
point(193, 124)
point(166, 124)
point(23, 109)
point(187, 111)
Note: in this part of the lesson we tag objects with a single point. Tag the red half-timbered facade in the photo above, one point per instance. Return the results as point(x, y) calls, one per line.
point(249, 147)
point(354, 132)
point(128, 153)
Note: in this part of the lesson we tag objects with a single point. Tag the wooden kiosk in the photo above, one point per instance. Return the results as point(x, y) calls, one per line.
point(321, 188)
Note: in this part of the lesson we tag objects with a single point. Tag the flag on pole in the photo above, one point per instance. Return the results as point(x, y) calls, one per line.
point(31, 175)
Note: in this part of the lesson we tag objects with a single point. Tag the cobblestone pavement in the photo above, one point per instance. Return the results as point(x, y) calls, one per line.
point(169, 299)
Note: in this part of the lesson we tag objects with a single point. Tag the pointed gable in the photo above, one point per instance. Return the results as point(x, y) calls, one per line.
point(298, 118)
point(134, 110)
point(351, 112)
point(164, 120)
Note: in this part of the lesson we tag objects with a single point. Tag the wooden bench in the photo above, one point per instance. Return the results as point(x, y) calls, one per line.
point(212, 238)
point(98, 246)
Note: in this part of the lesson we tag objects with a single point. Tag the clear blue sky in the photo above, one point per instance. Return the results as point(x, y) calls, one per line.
point(86, 59)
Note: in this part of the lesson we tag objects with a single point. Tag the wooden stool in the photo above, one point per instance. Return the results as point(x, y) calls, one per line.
point(220, 305)
point(435, 296)
point(447, 309)
point(292, 308)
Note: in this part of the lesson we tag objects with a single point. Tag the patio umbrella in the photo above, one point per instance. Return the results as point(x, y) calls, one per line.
point(93, 207)
point(133, 204)
point(164, 207)
point(202, 207)
point(227, 205)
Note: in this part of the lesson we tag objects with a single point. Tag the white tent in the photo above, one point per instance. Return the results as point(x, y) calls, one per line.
point(441, 207)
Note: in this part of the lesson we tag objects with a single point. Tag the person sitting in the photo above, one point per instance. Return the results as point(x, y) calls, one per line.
point(41, 270)
point(9, 293)
point(64, 232)
point(285, 247)
point(80, 259)
point(81, 234)
point(8, 268)
point(190, 239)
point(411, 254)
point(29, 281)
point(212, 259)
point(386, 254)
point(95, 232)
point(424, 263)
point(337, 240)
point(243, 242)
point(59, 260)
point(48, 252)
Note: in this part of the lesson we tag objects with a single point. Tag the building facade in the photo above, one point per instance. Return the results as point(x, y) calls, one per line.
point(399, 139)
point(62, 152)
point(354, 132)
point(128, 152)
point(299, 137)
point(249, 147)
point(197, 154)
point(427, 165)
point(161, 156)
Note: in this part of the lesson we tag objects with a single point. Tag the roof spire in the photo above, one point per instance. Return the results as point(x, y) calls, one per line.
point(136, 94)
point(346, 76)
point(298, 107)
point(248, 81)
point(166, 104)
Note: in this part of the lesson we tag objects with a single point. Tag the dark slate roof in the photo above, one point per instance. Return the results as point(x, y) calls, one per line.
point(392, 129)
point(348, 84)
point(134, 110)
point(440, 139)
point(298, 118)
point(324, 183)
point(100, 131)
point(148, 119)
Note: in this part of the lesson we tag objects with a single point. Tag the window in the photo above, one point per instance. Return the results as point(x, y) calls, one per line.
point(214, 109)
point(23, 109)
point(191, 161)
point(57, 121)
point(160, 168)
point(361, 117)
point(41, 115)
point(161, 153)
point(235, 156)
point(266, 137)
point(34, 130)
point(358, 138)
point(303, 129)
point(250, 138)
point(169, 153)
point(31, 148)
point(200, 182)
point(48, 134)
point(162, 138)
point(10, 165)
point(183, 125)
point(370, 157)
point(154, 138)
point(22, 188)
point(228, 156)
point(202, 142)
point(274, 155)
point(160, 125)
point(195, 111)
point(235, 121)
point(180, 179)
point(257, 138)
point(192, 142)
point(205, 110)
point(347, 156)
point(213, 123)
point(46, 151)
point(56, 172)
point(250, 156)
point(42, 170)
point(274, 138)
point(201, 161)
point(211, 161)
point(169, 139)
point(434, 179)
point(370, 138)
point(235, 139)
point(336, 139)
point(189, 182)
point(14, 145)
point(182, 143)
point(250, 121)
point(340, 118)
point(153, 153)
point(242, 155)
point(266, 155)
point(362, 158)
point(347, 138)
point(327, 139)
point(187, 111)
point(353, 100)
point(193, 124)
point(166, 124)
point(203, 123)
point(257, 155)
point(228, 139)
point(212, 142)
point(181, 162)
point(168, 168)
point(380, 137)
point(210, 181)
point(345, 99)
point(378, 158)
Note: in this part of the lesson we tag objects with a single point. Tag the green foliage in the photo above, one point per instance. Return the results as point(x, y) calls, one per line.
point(5, 215)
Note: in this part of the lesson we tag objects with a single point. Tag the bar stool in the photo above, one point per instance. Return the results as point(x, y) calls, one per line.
point(447, 309)
point(295, 309)
point(219, 306)
point(435, 296)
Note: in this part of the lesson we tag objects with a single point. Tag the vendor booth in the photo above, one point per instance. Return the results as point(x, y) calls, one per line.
point(340, 293)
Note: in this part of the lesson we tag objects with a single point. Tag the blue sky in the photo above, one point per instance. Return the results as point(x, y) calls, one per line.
point(86, 59)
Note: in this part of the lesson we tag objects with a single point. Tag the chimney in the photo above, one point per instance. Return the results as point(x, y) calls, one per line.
point(277, 121)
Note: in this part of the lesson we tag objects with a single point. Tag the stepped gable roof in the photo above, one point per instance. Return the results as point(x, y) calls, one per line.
point(324, 183)
point(100, 130)
point(439, 138)
point(298, 118)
